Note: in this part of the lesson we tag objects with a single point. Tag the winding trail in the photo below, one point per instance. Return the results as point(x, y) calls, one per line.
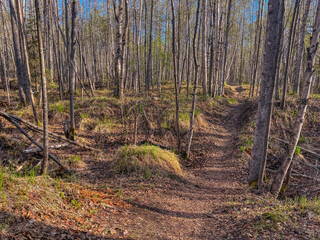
point(202, 207)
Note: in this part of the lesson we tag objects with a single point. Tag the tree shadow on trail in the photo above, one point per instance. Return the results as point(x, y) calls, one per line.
point(172, 213)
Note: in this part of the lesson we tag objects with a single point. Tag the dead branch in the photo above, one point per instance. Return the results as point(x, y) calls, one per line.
point(150, 126)
point(154, 144)
point(54, 158)
point(302, 148)
point(296, 174)
point(34, 150)
point(307, 164)
point(39, 130)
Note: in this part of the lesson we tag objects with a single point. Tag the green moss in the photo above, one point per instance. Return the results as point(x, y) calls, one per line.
point(232, 100)
point(253, 184)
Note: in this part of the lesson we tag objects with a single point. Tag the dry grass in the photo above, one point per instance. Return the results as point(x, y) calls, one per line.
point(42, 198)
point(75, 162)
point(146, 160)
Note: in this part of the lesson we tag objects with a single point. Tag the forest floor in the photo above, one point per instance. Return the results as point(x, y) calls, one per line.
point(211, 200)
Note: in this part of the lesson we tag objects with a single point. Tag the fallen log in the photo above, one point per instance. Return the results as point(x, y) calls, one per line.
point(154, 144)
point(39, 130)
point(34, 150)
point(54, 158)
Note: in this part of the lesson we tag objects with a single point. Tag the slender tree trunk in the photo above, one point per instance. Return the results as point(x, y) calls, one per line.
point(189, 47)
point(213, 36)
point(204, 48)
point(148, 77)
point(301, 47)
point(21, 57)
point(226, 39)
point(125, 53)
point(194, 97)
point(4, 76)
point(304, 99)
point(118, 53)
point(71, 68)
point(241, 54)
point(269, 65)
point(257, 49)
point(44, 169)
point(290, 43)
point(218, 53)
point(175, 74)
point(137, 76)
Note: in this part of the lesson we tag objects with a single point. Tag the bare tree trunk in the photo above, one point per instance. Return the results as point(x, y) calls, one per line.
point(175, 74)
point(189, 47)
point(241, 54)
point(44, 169)
point(137, 76)
point(124, 40)
point(25, 58)
point(304, 99)
point(204, 48)
point(71, 68)
point(226, 39)
point(67, 39)
point(17, 53)
point(290, 43)
point(269, 65)
point(148, 77)
point(257, 46)
point(276, 90)
point(118, 53)
point(218, 53)
point(301, 47)
point(194, 97)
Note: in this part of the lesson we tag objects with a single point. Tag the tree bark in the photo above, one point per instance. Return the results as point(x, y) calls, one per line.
point(304, 99)
point(290, 43)
point(226, 39)
point(204, 48)
point(194, 97)
point(71, 68)
point(269, 65)
point(148, 77)
point(257, 46)
point(301, 47)
point(45, 162)
point(118, 52)
point(175, 74)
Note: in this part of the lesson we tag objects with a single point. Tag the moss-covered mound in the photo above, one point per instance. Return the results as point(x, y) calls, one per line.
point(146, 160)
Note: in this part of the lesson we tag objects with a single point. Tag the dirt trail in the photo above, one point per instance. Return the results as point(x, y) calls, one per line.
point(202, 207)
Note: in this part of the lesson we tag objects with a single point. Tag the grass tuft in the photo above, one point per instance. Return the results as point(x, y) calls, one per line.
point(146, 160)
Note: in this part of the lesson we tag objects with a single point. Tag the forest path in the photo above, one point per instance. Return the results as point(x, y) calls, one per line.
point(205, 205)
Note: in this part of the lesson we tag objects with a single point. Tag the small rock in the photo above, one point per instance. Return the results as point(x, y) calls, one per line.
point(31, 221)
